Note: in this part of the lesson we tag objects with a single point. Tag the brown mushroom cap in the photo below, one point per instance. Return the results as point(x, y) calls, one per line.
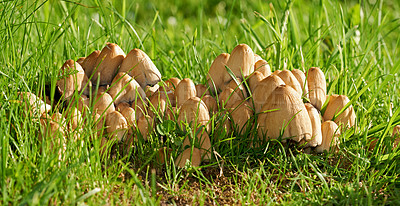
point(145, 125)
point(52, 132)
point(238, 88)
point(336, 103)
point(264, 89)
point(201, 142)
point(396, 135)
point(315, 118)
point(316, 87)
point(140, 108)
point(184, 91)
point(170, 113)
point(103, 104)
point(111, 56)
point(150, 90)
point(241, 113)
point(172, 83)
point(117, 126)
point(33, 104)
point(211, 103)
point(158, 104)
point(263, 67)
point(89, 63)
point(124, 88)
point(129, 113)
point(194, 112)
point(241, 62)
point(228, 97)
point(187, 155)
point(330, 133)
point(201, 90)
point(139, 65)
point(291, 80)
point(216, 74)
point(99, 121)
point(289, 111)
point(254, 79)
point(302, 79)
point(73, 79)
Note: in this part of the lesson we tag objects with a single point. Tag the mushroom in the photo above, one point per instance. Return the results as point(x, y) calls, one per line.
point(217, 74)
point(238, 87)
point(73, 78)
point(52, 132)
point(264, 89)
point(187, 155)
point(117, 126)
point(228, 97)
point(202, 142)
point(257, 58)
point(158, 104)
point(99, 122)
point(330, 135)
point(172, 83)
point(396, 136)
point(129, 113)
point(276, 72)
point(150, 90)
point(201, 90)
point(194, 112)
point(140, 108)
point(139, 65)
point(211, 103)
point(335, 104)
point(254, 79)
point(108, 61)
point(33, 104)
point(241, 113)
point(184, 91)
point(315, 118)
point(240, 62)
point(124, 88)
point(89, 63)
point(302, 79)
point(290, 80)
point(316, 87)
point(285, 111)
point(263, 67)
point(170, 113)
point(145, 125)
point(103, 104)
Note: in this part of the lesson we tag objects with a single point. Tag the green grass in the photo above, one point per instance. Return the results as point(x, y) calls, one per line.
point(356, 44)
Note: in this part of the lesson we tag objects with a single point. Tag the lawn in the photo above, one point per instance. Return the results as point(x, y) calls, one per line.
point(355, 43)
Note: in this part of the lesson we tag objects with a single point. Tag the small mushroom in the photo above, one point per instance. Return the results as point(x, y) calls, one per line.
point(139, 65)
point(73, 79)
point(51, 132)
point(194, 112)
point(263, 67)
point(241, 62)
point(187, 155)
point(302, 79)
point(285, 111)
point(184, 91)
point(158, 104)
point(264, 89)
point(217, 74)
point(330, 133)
point(202, 142)
point(290, 80)
point(129, 113)
point(140, 108)
point(201, 90)
point(111, 56)
point(172, 83)
point(145, 125)
point(117, 126)
point(33, 104)
point(396, 136)
point(150, 90)
point(335, 104)
point(211, 103)
point(89, 63)
point(241, 113)
point(99, 122)
point(228, 97)
point(124, 88)
point(103, 104)
point(238, 87)
point(257, 58)
point(315, 118)
point(254, 79)
point(316, 87)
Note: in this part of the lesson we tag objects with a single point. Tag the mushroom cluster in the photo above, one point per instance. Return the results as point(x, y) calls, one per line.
point(126, 97)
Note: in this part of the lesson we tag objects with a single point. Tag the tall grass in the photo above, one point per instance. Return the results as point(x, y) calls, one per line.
point(355, 43)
